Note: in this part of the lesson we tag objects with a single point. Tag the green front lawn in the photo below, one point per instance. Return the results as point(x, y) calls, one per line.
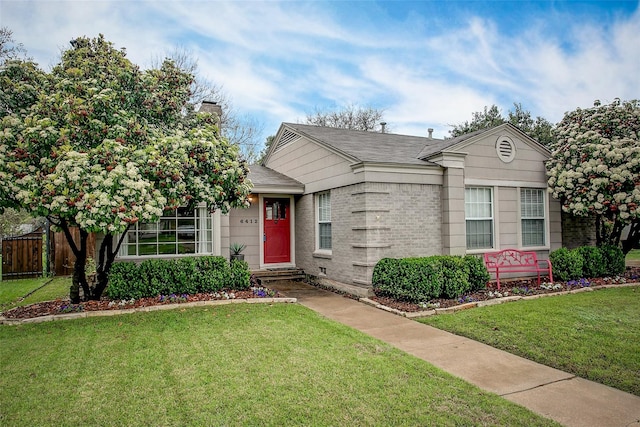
point(36, 290)
point(633, 255)
point(240, 364)
point(13, 290)
point(595, 335)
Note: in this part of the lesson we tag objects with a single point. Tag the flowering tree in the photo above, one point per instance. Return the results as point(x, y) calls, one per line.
point(595, 168)
point(101, 145)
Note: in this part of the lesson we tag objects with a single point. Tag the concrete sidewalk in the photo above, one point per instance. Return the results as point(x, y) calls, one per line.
point(563, 397)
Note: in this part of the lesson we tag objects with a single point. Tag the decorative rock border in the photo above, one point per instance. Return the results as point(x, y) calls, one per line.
point(486, 303)
point(105, 313)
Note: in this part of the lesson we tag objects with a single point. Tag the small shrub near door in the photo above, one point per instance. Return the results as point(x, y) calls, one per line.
point(240, 275)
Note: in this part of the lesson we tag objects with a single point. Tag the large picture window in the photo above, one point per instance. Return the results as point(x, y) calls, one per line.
point(532, 216)
point(478, 208)
point(180, 232)
point(324, 221)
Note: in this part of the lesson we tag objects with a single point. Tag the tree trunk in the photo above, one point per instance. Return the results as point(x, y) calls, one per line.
point(106, 257)
point(79, 279)
point(632, 238)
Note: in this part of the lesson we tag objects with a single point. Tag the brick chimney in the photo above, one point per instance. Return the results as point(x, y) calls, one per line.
point(211, 107)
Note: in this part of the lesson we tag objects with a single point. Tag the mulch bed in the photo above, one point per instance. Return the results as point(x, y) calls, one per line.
point(509, 288)
point(64, 306)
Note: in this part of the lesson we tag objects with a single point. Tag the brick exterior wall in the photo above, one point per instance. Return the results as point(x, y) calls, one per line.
point(370, 221)
point(578, 231)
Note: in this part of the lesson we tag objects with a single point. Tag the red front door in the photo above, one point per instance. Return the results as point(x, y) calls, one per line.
point(277, 237)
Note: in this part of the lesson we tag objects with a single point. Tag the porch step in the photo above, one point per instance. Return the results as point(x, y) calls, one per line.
point(266, 276)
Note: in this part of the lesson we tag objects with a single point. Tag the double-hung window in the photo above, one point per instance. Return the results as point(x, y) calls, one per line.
point(478, 207)
point(324, 221)
point(532, 213)
point(178, 232)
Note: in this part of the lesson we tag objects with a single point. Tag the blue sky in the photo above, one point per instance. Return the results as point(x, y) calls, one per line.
point(427, 64)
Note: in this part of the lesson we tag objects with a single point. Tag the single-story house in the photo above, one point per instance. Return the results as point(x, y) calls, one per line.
point(333, 202)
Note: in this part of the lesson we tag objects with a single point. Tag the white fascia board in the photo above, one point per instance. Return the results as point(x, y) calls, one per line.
point(448, 159)
point(263, 189)
point(396, 168)
point(503, 183)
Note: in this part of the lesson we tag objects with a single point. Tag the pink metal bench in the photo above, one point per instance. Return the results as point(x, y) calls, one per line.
point(515, 261)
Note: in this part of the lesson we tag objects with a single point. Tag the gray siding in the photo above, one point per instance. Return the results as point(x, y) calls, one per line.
point(244, 227)
point(318, 168)
point(482, 162)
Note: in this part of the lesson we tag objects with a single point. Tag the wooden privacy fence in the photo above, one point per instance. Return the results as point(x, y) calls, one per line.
point(62, 257)
point(22, 256)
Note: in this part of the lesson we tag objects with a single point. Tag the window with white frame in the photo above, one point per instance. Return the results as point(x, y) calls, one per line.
point(478, 208)
point(179, 232)
point(532, 215)
point(324, 221)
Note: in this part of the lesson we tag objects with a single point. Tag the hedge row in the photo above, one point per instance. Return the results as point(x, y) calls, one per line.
point(422, 279)
point(153, 277)
point(587, 262)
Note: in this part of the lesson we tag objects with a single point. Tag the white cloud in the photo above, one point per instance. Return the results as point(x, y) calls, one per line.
point(279, 60)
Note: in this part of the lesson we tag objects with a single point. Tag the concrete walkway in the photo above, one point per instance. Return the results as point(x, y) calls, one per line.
point(563, 397)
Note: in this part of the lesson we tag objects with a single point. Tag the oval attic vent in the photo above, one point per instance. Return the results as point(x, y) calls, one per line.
point(506, 149)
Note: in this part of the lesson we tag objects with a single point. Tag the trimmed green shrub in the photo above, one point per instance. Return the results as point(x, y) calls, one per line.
point(385, 273)
point(408, 279)
point(184, 276)
point(592, 263)
point(419, 279)
point(478, 273)
point(567, 265)
point(613, 259)
point(187, 275)
point(240, 276)
point(157, 277)
point(455, 274)
point(124, 280)
point(214, 273)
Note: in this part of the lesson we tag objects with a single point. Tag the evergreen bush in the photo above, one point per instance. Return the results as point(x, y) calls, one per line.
point(124, 281)
point(455, 273)
point(418, 280)
point(189, 275)
point(478, 273)
point(240, 277)
point(385, 274)
point(613, 259)
point(567, 264)
point(593, 264)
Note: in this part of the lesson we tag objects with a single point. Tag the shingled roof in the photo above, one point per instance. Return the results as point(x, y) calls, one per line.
point(361, 146)
point(265, 178)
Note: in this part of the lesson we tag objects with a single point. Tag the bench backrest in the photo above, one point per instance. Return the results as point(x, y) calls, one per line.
point(510, 257)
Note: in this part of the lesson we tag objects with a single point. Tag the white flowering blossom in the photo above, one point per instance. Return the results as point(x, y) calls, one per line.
point(595, 163)
point(102, 145)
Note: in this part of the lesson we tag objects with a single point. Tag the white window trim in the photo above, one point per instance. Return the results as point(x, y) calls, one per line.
point(547, 225)
point(495, 218)
point(216, 243)
point(318, 251)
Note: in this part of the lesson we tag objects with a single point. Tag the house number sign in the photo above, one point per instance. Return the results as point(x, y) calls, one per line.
point(248, 220)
